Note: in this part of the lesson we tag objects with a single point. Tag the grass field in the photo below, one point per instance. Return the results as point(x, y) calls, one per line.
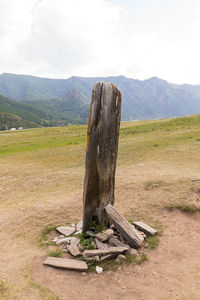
point(42, 173)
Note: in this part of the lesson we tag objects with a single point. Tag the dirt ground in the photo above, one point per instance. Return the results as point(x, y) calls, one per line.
point(36, 193)
point(173, 270)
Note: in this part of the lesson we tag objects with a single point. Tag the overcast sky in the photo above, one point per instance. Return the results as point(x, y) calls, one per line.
point(134, 38)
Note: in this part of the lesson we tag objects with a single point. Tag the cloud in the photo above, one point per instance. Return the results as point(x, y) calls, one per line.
point(139, 39)
point(57, 36)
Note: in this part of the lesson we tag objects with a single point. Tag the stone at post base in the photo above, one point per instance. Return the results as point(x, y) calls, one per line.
point(101, 153)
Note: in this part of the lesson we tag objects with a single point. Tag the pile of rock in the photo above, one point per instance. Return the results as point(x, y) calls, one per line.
point(120, 239)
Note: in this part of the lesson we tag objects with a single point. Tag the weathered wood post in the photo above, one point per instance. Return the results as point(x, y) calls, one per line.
point(101, 152)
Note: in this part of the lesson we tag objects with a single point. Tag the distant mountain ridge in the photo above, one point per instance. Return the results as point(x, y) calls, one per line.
point(68, 99)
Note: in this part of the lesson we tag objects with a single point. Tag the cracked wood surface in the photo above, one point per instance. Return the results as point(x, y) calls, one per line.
point(101, 152)
point(128, 232)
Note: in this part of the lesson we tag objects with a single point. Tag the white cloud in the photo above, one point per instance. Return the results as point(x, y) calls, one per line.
point(56, 37)
point(139, 39)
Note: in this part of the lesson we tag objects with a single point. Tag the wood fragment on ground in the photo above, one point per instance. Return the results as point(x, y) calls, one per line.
point(128, 232)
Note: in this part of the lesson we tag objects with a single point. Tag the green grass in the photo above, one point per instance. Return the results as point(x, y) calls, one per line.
point(43, 239)
point(54, 173)
point(130, 220)
point(153, 185)
point(94, 226)
point(44, 292)
point(3, 288)
point(36, 140)
point(143, 257)
point(162, 125)
point(157, 135)
point(86, 241)
point(112, 264)
point(55, 253)
point(152, 241)
point(187, 208)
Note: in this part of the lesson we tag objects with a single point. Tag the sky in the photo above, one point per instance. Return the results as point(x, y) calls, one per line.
point(135, 38)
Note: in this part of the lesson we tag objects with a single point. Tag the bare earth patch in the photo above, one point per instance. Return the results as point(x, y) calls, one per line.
point(43, 188)
point(171, 273)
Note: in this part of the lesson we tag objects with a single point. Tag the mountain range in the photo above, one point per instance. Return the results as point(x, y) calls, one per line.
point(55, 102)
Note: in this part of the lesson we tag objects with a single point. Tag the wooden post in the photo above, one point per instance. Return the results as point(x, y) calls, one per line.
point(101, 152)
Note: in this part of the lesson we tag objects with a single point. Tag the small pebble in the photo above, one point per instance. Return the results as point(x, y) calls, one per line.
point(120, 257)
point(133, 252)
point(90, 233)
point(99, 270)
point(78, 232)
point(55, 239)
point(65, 250)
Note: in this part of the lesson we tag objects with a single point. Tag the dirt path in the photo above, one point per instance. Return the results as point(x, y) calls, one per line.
point(173, 270)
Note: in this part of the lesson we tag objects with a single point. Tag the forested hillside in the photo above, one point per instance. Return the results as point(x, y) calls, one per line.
point(8, 121)
point(67, 100)
point(23, 110)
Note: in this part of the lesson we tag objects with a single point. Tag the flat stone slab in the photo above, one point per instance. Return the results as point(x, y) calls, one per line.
point(100, 245)
point(90, 233)
point(75, 241)
point(104, 236)
point(66, 230)
point(73, 247)
point(65, 263)
point(145, 228)
point(116, 243)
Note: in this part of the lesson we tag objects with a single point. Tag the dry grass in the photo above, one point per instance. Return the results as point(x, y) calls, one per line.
point(42, 173)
